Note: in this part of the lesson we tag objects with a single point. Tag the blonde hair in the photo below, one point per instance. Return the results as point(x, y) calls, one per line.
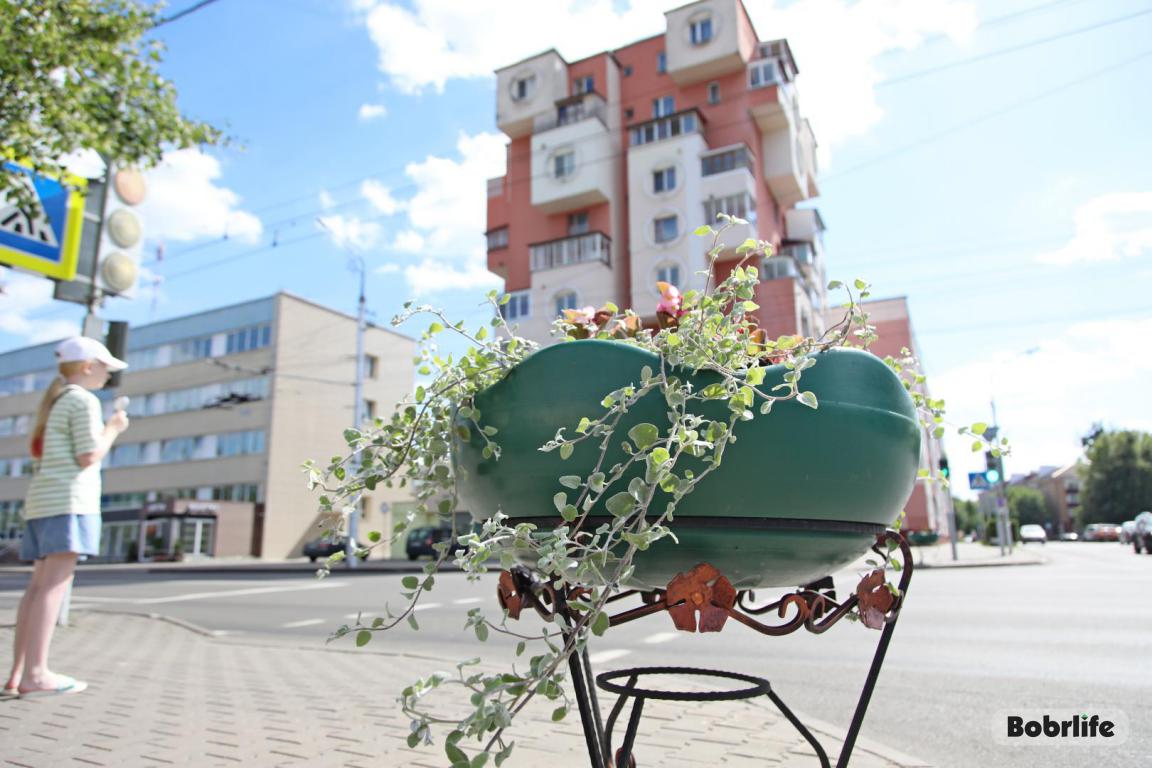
point(54, 390)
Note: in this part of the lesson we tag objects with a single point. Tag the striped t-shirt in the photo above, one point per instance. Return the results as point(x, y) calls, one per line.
point(60, 486)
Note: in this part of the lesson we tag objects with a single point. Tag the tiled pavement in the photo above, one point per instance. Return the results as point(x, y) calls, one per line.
point(164, 694)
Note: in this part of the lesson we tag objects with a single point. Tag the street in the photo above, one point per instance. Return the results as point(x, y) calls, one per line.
point(971, 643)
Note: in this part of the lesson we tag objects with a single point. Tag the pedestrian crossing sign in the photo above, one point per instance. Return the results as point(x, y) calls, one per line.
point(49, 241)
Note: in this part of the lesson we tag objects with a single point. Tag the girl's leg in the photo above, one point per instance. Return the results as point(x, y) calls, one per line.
point(20, 635)
point(41, 610)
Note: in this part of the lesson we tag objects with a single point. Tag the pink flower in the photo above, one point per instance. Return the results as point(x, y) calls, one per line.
point(670, 299)
point(585, 316)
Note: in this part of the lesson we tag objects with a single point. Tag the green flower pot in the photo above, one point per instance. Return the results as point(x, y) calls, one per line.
point(800, 494)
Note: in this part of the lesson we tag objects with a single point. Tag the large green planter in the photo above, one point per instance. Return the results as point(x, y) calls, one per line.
point(801, 493)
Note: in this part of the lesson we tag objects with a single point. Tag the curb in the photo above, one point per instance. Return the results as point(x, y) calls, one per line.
point(982, 564)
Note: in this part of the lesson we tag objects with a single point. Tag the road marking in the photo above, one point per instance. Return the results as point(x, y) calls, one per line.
point(606, 656)
point(353, 615)
point(213, 595)
point(427, 606)
point(468, 601)
point(661, 637)
point(304, 623)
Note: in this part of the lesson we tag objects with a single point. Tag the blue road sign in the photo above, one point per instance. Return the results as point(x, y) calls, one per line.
point(48, 242)
point(978, 481)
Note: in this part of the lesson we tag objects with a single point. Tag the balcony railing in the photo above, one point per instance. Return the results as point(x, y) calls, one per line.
point(678, 124)
point(727, 160)
point(804, 253)
point(496, 186)
point(579, 249)
point(586, 106)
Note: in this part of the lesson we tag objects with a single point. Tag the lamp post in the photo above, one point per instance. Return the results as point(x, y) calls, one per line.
point(1003, 518)
point(355, 263)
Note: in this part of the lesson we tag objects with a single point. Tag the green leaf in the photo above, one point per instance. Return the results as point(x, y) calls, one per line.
point(520, 646)
point(435, 328)
point(479, 761)
point(979, 428)
point(455, 755)
point(566, 450)
point(808, 399)
point(559, 500)
point(977, 446)
point(748, 245)
point(584, 424)
point(766, 407)
point(621, 504)
point(570, 481)
point(412, 622)
point(504, 754)
point(754, 376)
point(373, 536)
point(559, 713)
point(482, 631)
point(463, 432)
point(704, 230)
point(569, 513)
point(860, 284)
point(644, 435)
point(363, 637)
point(832, 286)
point(659, 456)
point(751, 306)
point(601, 623)
point(410, 582)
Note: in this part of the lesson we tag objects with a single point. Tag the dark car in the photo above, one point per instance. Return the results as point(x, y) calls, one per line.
point(325, 547)
point(1102, 532)
point(421, 541)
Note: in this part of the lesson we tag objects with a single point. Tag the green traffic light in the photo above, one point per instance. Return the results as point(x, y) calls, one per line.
point(992, 476)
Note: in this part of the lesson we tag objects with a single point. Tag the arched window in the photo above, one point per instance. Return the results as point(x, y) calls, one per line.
point(565, 300)
point(669, 273)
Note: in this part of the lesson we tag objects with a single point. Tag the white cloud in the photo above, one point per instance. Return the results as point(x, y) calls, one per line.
point(350, 231)
point(185, 202)
point(379, 196)
point(1047, 400)
point(408, 241)
point(387, 269)
point(447, 216)
point(23, 299)
point(326, 200)
point(426, 43)
point(372, 111)
point(1108, 228)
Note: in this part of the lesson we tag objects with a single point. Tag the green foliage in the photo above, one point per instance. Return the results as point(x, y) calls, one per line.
point(968, 517)
point(1117, 481)
point(79, 74)
point(1028, 505)
point(714, 333)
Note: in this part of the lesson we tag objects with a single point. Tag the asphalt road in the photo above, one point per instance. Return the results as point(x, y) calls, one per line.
point(971, 644)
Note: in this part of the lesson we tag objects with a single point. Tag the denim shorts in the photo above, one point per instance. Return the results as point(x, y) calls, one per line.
point(45, 536)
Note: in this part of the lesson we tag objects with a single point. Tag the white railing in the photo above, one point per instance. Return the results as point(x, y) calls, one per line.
point(496, 186)
point(580, 249)
point(570, 111)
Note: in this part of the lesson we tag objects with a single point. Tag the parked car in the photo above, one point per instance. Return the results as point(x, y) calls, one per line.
point(1033, 532)
point(1069, 536)
point(421, 541)
point(325, 547)
point(1127, 528)
point(1142, 533)
point(1102, 532)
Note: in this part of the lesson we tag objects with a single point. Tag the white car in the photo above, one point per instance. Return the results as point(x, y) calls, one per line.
point(1142, 535)
point(1033, 533)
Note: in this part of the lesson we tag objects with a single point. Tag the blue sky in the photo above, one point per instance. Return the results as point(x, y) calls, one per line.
point(1009, 197)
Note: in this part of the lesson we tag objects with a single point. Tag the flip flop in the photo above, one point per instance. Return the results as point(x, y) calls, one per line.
point(67, 685)
point(9, 693)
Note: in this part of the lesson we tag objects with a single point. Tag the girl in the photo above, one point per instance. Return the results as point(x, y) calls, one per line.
point(62, 511)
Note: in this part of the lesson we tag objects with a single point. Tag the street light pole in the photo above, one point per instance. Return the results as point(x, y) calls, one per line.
point(358, 404)
point(1003, 516)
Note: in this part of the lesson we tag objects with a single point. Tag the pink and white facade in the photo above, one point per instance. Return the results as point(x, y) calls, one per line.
point(615, 159)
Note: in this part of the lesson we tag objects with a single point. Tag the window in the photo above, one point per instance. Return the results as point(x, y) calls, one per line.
point(700, 30)
point(578, 223)
point(663, 106)
point(565, 300)
point(713, 93)
point(177, 449)
point(741, 206)
point(498, 238)
point(628, 113)
point(628, 71)
point(668, 273)
point(192, 349)
point(764, 73)
point(126, 455)
point(778, 267)
point(247, 339)
point(368, 409)
point(516, 308)
point(664, 180)
point(240, 443)
point(726, 161)
point(664, 128)
point(371, 366)
point(661, 63)
point(564, 164)
point(13, 425)
point(665, 229)
point(584, 85)
point(523, 87)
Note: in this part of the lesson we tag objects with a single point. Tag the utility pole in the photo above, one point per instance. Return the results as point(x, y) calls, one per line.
point(357, 408)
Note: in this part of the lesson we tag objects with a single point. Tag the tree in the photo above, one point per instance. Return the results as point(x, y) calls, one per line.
point(78, 74)
point(1118, 479)
point(1028, 505)
point(968, 517)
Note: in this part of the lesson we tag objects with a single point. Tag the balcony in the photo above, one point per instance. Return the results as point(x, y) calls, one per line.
point(572, 164)
point(528, 90)
point(677, 124)
point(788, 144)
point(726, 159)
point(706, 40)
point(579, 249)
point(496, 186)
point(587, 106)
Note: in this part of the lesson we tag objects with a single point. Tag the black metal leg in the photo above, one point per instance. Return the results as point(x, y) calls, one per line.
point(625, 751)
point(865, 695)
point(799, 726)
point(589, 680)
point(589, 713)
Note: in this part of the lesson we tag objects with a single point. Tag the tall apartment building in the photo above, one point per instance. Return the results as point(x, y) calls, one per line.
point(225, 405)
point(615, 159)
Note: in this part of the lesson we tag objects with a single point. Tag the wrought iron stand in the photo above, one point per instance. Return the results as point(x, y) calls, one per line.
point(703, 600)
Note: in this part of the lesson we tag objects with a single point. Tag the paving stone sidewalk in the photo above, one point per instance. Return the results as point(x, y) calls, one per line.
point(162, 693)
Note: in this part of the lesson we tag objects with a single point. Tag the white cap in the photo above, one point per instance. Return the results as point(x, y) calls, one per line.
point(81, 349)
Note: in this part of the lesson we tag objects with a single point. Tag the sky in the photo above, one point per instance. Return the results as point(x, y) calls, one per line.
point(988, 160)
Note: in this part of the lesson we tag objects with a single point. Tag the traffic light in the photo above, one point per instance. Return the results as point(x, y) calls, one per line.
point(994, 467)
point(943, 464)
point(118, 254)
